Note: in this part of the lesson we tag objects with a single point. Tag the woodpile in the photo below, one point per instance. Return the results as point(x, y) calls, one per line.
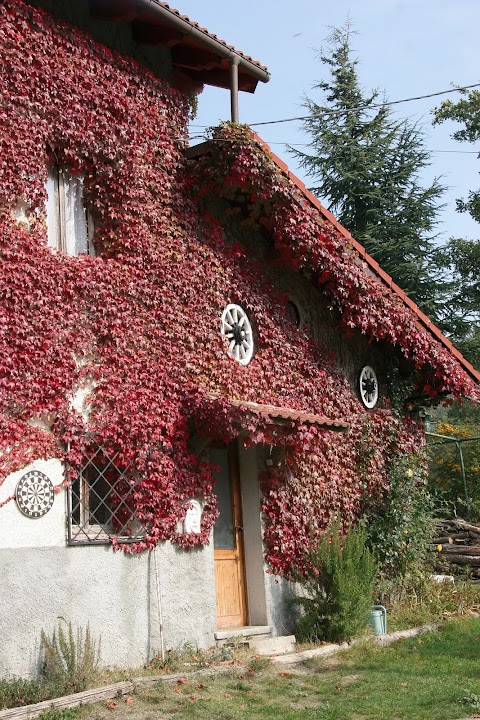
point(456, 550)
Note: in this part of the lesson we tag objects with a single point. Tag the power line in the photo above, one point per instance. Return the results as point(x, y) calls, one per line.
point(285, 142)
point(345, 111)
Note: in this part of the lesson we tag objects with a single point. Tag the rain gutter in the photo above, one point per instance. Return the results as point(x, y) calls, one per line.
point(235, 59)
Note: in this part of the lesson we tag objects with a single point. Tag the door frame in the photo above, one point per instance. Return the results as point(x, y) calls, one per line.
point(236, 555)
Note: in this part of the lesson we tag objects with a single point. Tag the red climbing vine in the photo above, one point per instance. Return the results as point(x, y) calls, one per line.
point(138, 325)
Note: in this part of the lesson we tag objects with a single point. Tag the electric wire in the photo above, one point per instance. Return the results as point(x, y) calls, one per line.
point(346, 111)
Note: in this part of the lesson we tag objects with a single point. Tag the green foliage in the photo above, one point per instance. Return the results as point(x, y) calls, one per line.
point(459, 260)
point(467, 112)
point(368, 165)
point(399, 530)
point(337, 586)
point(70, 657)
point(466, 413)
point(445, 476)
point(419, 599)
point(18, 692)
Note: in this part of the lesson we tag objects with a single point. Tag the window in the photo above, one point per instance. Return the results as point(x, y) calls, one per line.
point(368, 386)
point(236, 327)
point(294, 313)
point(101, 500)
point(69, 227)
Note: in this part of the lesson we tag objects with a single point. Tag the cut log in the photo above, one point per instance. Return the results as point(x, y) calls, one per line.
point(464, 525)
point(68, 701)
point(473, 561)
point(454, 550)
point(451, 536)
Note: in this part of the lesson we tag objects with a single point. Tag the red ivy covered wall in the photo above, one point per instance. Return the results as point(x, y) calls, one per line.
point(140, 322)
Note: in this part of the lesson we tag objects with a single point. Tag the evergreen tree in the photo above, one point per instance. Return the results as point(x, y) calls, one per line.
point(459, 317)
point(460, 258)
point(366, 165)
point(467, 112)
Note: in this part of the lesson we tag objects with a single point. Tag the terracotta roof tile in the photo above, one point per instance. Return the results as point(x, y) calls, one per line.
point(283, 413)
point(195, 24)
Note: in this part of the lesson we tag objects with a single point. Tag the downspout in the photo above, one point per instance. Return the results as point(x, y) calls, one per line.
point(159, 606)
point(234, 61)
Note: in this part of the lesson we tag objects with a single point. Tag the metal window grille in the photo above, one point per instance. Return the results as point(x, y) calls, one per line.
point(101, 500)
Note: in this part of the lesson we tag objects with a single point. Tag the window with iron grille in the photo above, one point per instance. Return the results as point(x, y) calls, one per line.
point(101, 500)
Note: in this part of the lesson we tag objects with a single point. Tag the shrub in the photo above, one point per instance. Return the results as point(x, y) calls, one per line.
point(337, 587)
point(400, 530)
point(70, 658)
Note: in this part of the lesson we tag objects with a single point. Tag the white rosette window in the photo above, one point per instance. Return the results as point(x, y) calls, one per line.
point(238, 331)
point(368, 385)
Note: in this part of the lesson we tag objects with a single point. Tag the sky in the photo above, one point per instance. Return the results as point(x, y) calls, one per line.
point(406, 48)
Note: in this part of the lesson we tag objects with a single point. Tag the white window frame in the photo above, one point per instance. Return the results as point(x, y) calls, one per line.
point(69, 224)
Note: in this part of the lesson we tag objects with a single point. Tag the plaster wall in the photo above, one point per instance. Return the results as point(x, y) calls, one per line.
point(19, 531)
point(114, 593)
point(44, 582)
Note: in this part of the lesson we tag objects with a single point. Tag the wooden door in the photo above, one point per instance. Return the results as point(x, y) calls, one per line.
point(230, 584)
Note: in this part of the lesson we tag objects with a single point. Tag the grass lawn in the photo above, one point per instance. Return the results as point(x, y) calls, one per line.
point(435, 676)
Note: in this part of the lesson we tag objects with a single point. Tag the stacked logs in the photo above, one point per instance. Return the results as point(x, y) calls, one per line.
point(456, 550)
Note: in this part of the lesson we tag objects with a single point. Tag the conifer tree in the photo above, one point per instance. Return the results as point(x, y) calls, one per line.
point(459, 260)
point(367, 165)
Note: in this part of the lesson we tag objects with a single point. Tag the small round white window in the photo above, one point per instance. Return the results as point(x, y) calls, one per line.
point(238, 331)
point(368, 387)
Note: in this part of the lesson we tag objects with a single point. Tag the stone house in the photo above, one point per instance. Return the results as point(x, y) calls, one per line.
point(200, 366)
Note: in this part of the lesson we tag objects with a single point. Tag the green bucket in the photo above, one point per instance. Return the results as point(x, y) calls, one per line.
point(378, 620)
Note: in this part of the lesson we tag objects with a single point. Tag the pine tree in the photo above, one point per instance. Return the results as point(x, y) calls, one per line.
point(459, 260)
point(467, 112)
point(367, 167)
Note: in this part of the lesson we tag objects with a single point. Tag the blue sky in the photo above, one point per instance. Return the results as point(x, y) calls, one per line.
point(405, 47)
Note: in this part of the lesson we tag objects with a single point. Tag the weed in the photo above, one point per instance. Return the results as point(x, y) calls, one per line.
point(423, 600)
point(472, 701)
point(258, 663)
point(56, 714)
point(71, 658)
point(188, 656)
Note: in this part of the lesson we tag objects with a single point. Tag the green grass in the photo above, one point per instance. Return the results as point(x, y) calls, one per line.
point(435, 676)
point(16, 693)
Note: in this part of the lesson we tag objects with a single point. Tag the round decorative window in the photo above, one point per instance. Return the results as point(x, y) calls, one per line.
point(238, 331)
point(368, 387)
point(294, 312)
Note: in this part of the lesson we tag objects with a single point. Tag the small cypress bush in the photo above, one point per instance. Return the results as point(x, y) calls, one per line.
point(337, 587)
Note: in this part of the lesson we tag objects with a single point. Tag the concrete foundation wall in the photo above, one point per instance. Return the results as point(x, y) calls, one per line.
point(114, 593)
